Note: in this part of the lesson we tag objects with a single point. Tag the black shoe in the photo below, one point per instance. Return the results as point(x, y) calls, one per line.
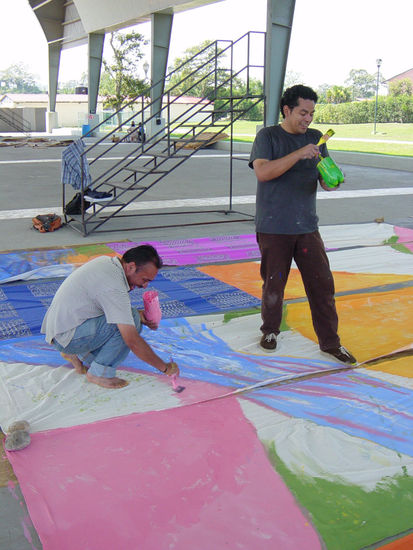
point(341, 354)
point(268, 342)
point(93, 195)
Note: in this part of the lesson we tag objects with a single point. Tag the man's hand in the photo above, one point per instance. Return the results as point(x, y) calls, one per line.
point(310, 151)
point(147, 322)
point(326, 187)
point(171, 368)
point(267, 170)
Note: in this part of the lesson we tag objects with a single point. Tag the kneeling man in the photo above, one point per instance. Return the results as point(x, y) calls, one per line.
point(91, 320)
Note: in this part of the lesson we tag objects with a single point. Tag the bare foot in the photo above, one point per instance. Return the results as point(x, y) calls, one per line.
point(76, 362)
point(107, 382)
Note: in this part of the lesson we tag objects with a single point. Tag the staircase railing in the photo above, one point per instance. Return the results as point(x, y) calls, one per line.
point(124, 178)
point(17, 123)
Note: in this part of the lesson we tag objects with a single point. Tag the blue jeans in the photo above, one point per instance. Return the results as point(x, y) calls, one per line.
point(100, 345)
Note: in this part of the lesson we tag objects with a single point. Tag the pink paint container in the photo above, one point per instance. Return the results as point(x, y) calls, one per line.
point(151, 306)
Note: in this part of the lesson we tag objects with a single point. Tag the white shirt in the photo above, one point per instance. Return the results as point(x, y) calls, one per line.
point(99, 287)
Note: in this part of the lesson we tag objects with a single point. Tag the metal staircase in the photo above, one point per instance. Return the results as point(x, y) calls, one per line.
point(140, 169)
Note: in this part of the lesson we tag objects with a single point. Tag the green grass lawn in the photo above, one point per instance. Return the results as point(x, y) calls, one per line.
point(244, 130)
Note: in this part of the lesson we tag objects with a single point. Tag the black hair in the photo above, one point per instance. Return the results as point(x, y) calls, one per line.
point(291, 96)
point(141, 255)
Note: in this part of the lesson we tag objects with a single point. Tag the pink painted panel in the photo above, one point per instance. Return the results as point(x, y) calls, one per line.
point(195, 477)
point(405, 236)
point(200, 251)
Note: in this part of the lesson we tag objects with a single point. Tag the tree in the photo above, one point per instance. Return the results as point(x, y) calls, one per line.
point(200, 73)
point(253, 110)
point(17, 79)
point(362, 84)
point(322, 93)
point(292, 78)
point(67, 87)
point(70, 86)
point(203, 75)
point(119, 82)
point(197, 77)
point(338, 94)
point(401, 87)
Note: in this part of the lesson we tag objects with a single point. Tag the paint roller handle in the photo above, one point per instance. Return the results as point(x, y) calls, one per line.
point(324, 138)
point(330, 133)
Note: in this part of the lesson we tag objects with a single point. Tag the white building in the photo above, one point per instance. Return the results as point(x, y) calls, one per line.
point(72, 109)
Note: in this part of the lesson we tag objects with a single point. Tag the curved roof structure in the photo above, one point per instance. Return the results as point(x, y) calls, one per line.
point(70, 22)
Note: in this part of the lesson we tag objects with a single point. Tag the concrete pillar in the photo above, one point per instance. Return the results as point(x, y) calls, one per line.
point(96, 42)
point(280, 15)
point(161, 36)
point(55, 50)
point(52, 121)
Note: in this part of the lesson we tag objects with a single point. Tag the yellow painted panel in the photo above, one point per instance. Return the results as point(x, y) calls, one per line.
point(370, 324)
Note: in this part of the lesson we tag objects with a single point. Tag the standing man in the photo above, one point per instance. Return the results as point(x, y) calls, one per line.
point(90, 319)
point(284, 158)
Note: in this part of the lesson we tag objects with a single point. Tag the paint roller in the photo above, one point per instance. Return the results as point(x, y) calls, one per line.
point(153, 313)
point(175, 386)
point(151, 306)
point(330, 172)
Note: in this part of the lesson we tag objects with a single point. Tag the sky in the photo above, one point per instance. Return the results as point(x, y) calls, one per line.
point(329, 38)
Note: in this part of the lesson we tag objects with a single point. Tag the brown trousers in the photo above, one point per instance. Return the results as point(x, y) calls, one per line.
point(277, 253)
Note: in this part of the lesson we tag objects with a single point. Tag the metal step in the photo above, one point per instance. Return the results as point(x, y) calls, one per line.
point(171, 156)
point(127, 186)
point(144, 170)
point(194, 125)
point(229, 111)
point(78, 218)
point(113, 202)
point(188, 140)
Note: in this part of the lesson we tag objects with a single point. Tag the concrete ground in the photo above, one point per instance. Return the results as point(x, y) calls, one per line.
point(30, 183)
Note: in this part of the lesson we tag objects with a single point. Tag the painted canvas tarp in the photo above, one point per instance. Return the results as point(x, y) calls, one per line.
point(283, 450)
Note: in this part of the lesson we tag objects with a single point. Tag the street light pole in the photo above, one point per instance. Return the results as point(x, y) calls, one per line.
point(378, 62)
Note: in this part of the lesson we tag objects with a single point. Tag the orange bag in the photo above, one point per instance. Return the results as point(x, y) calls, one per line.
point(47, 222)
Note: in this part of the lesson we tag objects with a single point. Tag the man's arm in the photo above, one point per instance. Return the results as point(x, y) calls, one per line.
point(143, 350)
point(267, 170)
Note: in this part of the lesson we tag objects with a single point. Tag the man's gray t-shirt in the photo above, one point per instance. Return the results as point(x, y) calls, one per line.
point(98, 287)
point(287, 204)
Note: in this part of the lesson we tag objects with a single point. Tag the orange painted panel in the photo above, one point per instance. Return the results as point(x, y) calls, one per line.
point(406, 543)
point(370, 324)
point(246, 276)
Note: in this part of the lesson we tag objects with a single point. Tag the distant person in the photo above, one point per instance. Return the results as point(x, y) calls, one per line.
point(91, 321)
point(136, 133)
point(284, 158)
point(132, 133)
point(141, 133)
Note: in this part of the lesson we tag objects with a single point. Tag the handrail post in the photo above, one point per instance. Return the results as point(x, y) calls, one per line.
point(216, 70)
point(248, 63)
point(232, 127)
point(169, 125)
point(82, 190)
